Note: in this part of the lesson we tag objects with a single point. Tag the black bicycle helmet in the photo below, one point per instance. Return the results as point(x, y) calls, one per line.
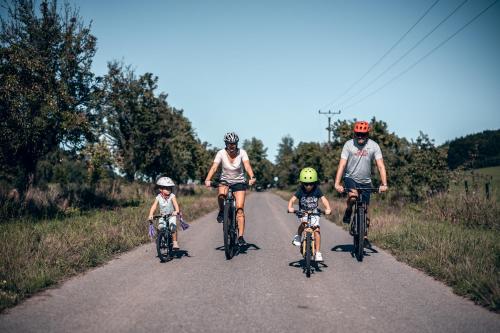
point(231, 137)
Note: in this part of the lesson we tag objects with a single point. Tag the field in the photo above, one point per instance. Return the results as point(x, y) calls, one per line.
point(477, 180)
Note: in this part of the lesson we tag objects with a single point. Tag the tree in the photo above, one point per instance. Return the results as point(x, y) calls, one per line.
point(262, 167)
point(475, 150)
point(425, 171)
point(45, 85)
point(308, 154)
point(286, 170)
point(148, 137)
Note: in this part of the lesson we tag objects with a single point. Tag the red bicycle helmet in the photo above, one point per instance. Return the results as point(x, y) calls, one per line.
point(361, 127)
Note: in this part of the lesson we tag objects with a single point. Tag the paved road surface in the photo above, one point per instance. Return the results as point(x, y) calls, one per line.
point(262, 289)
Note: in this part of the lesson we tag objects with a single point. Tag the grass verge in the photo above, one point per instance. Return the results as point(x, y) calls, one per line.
point(38, 254)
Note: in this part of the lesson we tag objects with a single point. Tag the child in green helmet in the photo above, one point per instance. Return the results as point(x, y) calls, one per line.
point(309, 195)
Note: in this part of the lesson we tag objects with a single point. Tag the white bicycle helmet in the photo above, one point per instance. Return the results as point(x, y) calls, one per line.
point(231, 137)
point(165, 181)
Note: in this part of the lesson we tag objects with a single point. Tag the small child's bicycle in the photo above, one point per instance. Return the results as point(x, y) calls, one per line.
point(164, 241)
point(307, 239)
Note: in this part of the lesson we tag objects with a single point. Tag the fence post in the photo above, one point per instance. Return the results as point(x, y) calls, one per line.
point(487, 188)
point(466, 186)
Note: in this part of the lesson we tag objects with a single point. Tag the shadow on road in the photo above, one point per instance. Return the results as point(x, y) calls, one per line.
point(241, 249)
point(350, 248)
point(177, 254)
point(316, 266)
point(180, 253)
point(248, 246)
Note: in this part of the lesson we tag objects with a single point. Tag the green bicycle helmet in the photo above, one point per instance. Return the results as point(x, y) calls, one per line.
point(308, 175)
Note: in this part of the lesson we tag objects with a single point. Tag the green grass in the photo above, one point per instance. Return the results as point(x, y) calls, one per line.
point(466, 259)
point(38, 254)
point(477, 179)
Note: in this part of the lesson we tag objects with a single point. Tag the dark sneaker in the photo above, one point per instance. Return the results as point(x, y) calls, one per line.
point(241, 241)
point(220, 216)
point(367, 243)
point(347, 216)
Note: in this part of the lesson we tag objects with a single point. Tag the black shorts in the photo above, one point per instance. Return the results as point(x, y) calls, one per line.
point(238, 187)
point(349, 183)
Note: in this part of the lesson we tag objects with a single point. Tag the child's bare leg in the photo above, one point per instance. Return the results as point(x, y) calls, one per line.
point(300, 230)
point(317, 239)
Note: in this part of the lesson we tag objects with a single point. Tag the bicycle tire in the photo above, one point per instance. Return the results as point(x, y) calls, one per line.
point(162, 246)
point(360, 233)
point(226, 229)
point(234, 231)
point(308, 254)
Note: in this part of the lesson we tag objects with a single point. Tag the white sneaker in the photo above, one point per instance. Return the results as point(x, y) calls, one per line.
point(296, 240)
point(318, 256)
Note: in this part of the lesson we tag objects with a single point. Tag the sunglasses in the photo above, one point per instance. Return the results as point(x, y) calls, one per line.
point(361, 135)
point(309, 184)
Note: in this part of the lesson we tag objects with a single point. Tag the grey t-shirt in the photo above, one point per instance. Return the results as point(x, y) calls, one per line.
point(359, 161)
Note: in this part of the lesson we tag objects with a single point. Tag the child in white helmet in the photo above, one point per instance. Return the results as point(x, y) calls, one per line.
point(168, 205)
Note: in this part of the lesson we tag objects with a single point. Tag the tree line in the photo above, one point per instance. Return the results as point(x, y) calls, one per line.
point(60, 123)
point(53, 104)
point(475, 150)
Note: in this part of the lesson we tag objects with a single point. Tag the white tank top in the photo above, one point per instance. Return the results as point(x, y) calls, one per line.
point(166, 205)
point(232, 172)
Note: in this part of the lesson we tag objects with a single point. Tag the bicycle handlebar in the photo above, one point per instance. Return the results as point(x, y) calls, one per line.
point(215, 183)
point(302, 213)
point(160, 216)
point(367, 189)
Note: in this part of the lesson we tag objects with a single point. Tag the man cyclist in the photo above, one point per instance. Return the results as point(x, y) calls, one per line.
point(355, 167)
point(233, 161)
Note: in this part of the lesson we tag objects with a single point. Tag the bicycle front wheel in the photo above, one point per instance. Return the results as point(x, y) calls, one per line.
point(308, 256)
point(163, 246)
point(360, 235)
point(226, 229)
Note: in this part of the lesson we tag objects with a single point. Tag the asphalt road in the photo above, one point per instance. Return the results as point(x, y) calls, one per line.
point(263, 289)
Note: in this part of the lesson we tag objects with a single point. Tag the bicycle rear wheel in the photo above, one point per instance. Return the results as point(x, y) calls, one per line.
point(226, 229)
point(360, 233)
point(163, 245)
point(308, 255)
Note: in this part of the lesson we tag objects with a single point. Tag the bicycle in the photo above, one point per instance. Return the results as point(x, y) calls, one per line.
point(164, 241)
point(307, 239)
point(229, 225)
point(359, 224)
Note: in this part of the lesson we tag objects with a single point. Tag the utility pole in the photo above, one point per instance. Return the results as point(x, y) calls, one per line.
point(329, 128)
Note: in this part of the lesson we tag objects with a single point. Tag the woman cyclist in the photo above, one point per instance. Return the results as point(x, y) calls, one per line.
point(233, 161)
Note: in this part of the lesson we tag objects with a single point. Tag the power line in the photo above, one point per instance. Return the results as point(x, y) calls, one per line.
point(425, 56)
point(383, 57)
point(406, 53)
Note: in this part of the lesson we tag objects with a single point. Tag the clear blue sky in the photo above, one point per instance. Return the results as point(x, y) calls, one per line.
point(265, 68)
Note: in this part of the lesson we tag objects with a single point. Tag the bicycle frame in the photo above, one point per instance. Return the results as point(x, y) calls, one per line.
point(164, 241)
point(308, 240)
point(230, 227)
point(359, 225)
